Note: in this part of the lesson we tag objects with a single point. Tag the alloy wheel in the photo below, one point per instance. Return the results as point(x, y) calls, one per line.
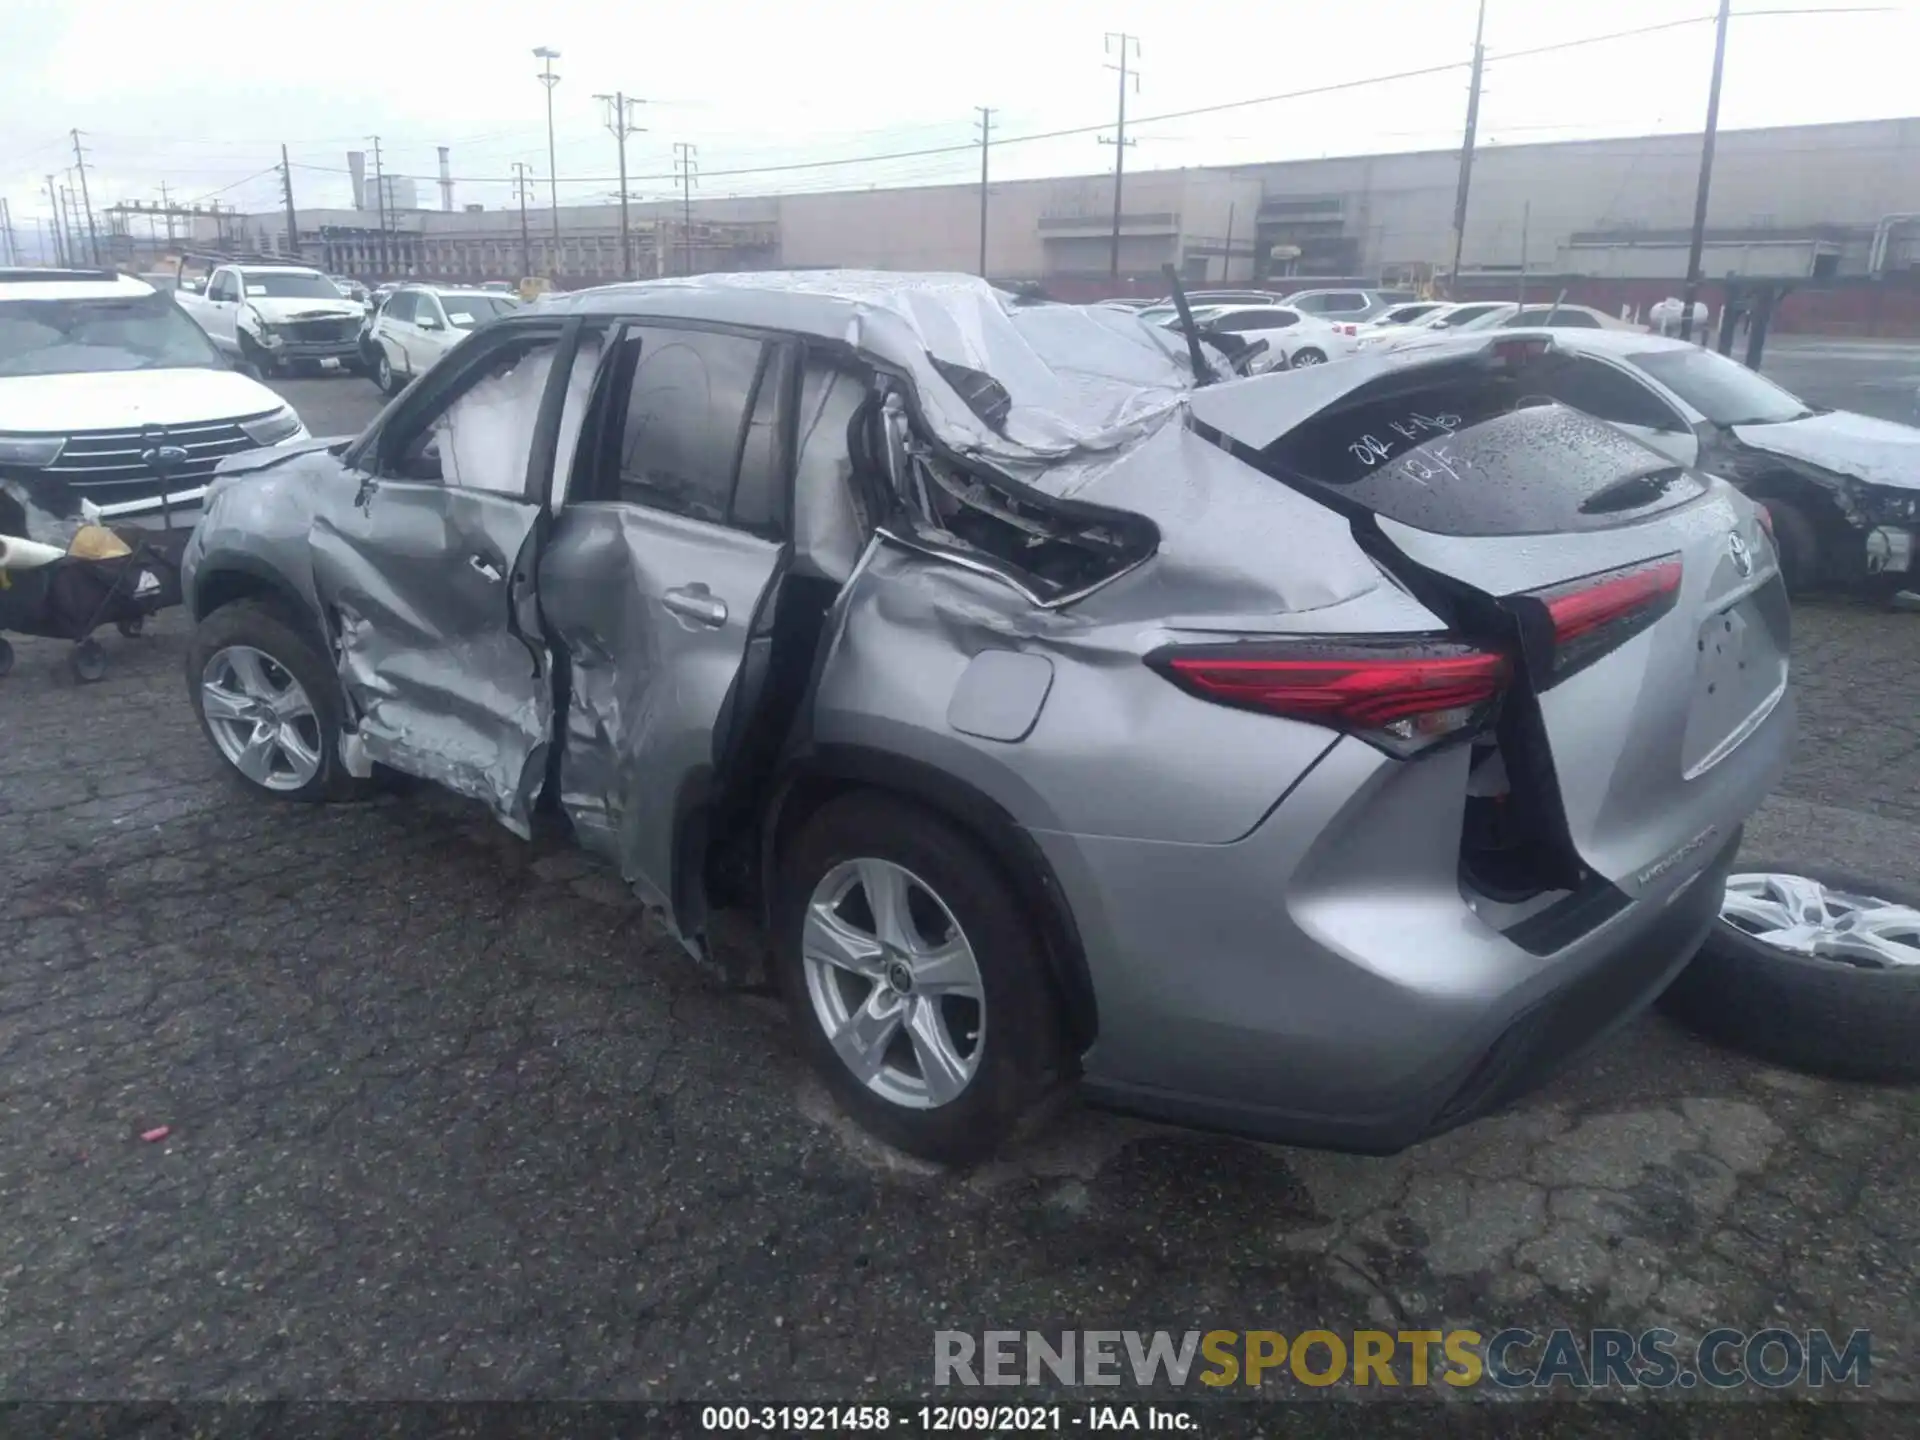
point(261, 718)
point(1805, 917)
point(894, 983)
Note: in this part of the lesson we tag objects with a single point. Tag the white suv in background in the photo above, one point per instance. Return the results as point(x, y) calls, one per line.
point(111, 397)
point(420, 323)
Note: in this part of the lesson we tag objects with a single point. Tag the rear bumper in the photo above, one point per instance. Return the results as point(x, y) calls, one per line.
point(1522, 1053)
point(1325, 980)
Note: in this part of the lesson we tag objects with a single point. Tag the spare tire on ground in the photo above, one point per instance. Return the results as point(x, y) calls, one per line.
point(1811, 967)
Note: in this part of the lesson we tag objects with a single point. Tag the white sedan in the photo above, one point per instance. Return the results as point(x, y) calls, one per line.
point(1841, 491)
point(1296, 338)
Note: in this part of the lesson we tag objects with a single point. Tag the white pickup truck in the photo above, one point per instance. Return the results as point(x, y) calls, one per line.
point(275, 316)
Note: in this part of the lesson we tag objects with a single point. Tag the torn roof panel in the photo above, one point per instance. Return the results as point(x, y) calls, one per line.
point(1074, 387)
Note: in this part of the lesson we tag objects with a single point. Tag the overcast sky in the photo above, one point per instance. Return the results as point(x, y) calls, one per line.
point(200, 94)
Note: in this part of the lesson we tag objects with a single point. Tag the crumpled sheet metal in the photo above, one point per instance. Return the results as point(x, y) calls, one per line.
point(452, 744)
point(1060, 404)
point(1879, 452)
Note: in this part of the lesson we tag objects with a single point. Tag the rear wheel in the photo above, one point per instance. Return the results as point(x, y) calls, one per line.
point(269, 703)
point(918, 986)
point(383, 375)
point(1309, 356)
point(1810, 967)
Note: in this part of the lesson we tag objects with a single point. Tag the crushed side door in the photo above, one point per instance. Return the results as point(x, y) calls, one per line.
point(657, 577)
point(427, 578)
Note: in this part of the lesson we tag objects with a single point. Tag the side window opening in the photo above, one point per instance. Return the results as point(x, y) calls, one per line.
point(686, 413)
point(482, 437)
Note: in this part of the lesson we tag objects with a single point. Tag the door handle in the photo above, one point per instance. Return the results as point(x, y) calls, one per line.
point(697, 603)
point(485, 567)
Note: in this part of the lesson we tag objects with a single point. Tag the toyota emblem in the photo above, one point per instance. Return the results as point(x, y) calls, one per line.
point(1742, 556)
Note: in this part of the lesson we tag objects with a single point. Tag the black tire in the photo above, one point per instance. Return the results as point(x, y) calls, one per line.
point(87, 661)
point(1021, 1038)
point(1308, 356)
point(255, 356)
point(1798, 543)
point(249, 622)
point(6, 657)
point(383, 375)
point(1813, 1014)
point(131, 628)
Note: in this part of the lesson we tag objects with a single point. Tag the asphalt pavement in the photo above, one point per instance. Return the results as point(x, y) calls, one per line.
point(1874, 377)
point(445, 1117)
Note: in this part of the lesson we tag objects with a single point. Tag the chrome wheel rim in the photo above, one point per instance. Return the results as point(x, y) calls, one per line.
point(386, 372)
point(1805, 917)
point(894, 983)
point(261, 718)
point(1309, 359)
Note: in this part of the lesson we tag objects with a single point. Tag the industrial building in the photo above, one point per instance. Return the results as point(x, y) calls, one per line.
point(1815, 202)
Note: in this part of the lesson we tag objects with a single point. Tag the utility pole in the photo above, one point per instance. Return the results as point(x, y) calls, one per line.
point(686, 164)
point(547, 78)
point(620, 122)
point(286, 192)
point(80, 164)
point(380, 209)
point(1120, 142)
point(1466, 151)
point(1526, 221)
point(1699, 240)
point(167, 201)
point(59, 227)
point(70, 213)
point(986, 130)
point(520, 183)
point(6, 229)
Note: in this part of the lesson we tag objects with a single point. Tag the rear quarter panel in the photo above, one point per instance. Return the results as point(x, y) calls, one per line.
point(1115, 750)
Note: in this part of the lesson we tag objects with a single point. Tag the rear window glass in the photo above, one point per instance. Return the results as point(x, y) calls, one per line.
point(1476, 454)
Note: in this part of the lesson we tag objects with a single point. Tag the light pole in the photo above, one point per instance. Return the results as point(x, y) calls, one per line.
point(547, 56)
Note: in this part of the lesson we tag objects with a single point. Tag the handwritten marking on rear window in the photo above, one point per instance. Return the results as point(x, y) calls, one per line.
point(1415, 429)
point(1369, 451)
point(1440, 460)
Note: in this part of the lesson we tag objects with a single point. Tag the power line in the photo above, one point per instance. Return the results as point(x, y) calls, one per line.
point(968, 146)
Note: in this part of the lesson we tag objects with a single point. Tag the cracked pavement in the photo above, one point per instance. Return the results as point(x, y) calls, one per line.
point(450, 1119)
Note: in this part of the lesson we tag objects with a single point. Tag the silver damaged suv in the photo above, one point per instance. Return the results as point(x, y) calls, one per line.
point(1322, 756)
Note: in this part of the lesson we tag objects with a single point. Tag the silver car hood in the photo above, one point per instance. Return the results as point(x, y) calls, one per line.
point(1879, 452)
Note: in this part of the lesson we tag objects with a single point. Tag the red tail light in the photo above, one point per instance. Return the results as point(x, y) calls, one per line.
point(1401, 696)
point(1600, 613)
